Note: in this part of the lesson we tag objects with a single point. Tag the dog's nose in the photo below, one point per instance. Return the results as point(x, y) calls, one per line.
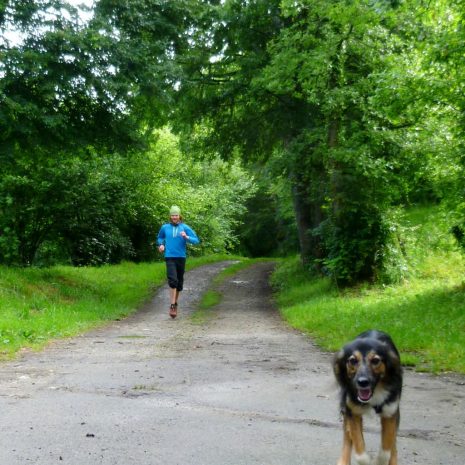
point(363, 382)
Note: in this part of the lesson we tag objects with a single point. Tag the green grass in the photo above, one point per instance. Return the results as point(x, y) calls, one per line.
point(425, 314)
point(204, 311)
point(41, 304)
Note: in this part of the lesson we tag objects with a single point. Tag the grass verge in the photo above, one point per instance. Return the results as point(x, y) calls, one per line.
point(425, 313)
point(41, 304)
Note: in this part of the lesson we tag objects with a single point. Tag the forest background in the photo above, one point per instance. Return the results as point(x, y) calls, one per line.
point(285, 127)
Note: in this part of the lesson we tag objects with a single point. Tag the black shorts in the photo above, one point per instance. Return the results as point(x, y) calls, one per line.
point(175, 272)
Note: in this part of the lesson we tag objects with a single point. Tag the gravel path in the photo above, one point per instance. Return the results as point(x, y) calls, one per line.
point(240, 388)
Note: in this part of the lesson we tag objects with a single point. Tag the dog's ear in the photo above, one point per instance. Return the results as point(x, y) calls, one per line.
point(393, 361)
point(339, 365)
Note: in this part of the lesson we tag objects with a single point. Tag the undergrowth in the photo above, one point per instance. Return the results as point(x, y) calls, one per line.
point(424, 313)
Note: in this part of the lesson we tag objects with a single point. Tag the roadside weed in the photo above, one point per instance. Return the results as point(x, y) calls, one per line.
point(425, 314)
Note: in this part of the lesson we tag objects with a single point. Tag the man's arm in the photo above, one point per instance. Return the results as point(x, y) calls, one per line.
point(161, 239)
point(161, 236)
point(190, 236)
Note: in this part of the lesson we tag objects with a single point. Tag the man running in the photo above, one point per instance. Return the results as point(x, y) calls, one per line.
point(172, 240)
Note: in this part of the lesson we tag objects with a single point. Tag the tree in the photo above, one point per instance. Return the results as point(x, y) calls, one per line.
point(336, 52)
point(224, 88)
point(212, 193)
point(442, 65)
point(59, 89)
point(295, 79)
point(73, 95)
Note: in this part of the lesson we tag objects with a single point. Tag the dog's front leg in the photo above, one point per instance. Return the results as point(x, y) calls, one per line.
point(353, 436)
point(356, 429)
point(388, 453)
point(346, 444)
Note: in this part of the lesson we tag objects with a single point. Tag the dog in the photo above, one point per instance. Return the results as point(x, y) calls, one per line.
point(369, 375)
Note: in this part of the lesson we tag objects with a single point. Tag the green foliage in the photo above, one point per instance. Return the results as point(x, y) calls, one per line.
point(218, 87)
point(58, 87)
point(355, 100)
point(269, 228)
point(428, 246)
point(74, 98)
point(425, 315)
point(211, 193)
point(349, 109)
point(346, 48)
point(97, 209)
point(309, 71)
point(72, 208)
point(441, 64)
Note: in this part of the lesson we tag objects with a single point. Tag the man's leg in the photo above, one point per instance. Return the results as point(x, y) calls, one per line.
point(180, 268)
point(173, 295)
point(171, 271)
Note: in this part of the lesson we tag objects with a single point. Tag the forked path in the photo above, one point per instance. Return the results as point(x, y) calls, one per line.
point(239, 388)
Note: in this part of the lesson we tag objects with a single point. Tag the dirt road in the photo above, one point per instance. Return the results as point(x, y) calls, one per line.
point(241, 388)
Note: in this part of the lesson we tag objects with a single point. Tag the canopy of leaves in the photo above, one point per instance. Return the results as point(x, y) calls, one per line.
point(342, 110)
point(341, 94)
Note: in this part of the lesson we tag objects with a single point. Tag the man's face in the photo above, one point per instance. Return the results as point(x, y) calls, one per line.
point(174, 219)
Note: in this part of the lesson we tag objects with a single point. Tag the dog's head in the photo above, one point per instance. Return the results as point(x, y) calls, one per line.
point(363, 364)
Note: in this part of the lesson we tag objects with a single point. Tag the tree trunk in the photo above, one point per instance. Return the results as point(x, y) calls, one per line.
point(308, 200)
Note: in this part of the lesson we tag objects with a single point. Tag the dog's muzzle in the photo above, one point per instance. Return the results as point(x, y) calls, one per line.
point(364, 391)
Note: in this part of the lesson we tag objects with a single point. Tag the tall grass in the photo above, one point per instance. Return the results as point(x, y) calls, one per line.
point(425, 314)
point(40, 304)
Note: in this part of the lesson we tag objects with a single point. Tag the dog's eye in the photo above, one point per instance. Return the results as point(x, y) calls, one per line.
point(353, 361)
point(375, 361)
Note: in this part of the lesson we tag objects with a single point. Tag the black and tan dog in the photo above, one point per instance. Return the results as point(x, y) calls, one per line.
point(369, 374)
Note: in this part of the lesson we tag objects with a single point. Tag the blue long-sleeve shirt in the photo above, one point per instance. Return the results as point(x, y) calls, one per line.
point(175, 244)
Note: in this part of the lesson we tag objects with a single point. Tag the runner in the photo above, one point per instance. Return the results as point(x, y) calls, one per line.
point(172, 241)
